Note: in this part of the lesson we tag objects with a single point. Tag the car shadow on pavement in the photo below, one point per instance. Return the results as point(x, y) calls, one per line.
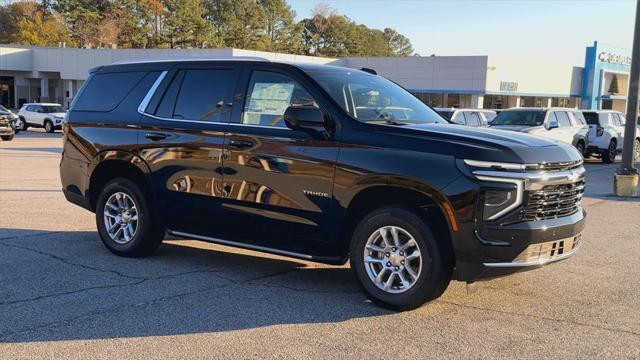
point(67, 286)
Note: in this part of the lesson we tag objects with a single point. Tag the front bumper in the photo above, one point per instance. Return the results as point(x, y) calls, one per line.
point(6, 130)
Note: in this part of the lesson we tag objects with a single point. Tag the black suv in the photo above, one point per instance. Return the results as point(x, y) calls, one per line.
point(320, 163)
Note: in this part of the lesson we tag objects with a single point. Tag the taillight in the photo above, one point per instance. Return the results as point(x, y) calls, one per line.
point(599, 131)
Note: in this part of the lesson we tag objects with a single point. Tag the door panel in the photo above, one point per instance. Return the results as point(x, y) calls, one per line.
point(182, 140)
point(277, 182)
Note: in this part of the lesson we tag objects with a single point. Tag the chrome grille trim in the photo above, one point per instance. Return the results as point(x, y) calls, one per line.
point(544, 253)
point(554, 201)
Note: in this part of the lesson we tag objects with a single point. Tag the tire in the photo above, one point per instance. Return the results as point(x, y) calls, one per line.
point(48, 126)
point(25, 126)
point(433, 276)
point(580, 148)
point(7, 137)
point(148, 230)
point(609, 155)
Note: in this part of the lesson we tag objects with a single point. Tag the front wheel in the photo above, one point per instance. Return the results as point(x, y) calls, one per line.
point(24, 124)
point(126, 223)
point(398, 261)
point(7, 137)
point(580, 148)
point(48, 126)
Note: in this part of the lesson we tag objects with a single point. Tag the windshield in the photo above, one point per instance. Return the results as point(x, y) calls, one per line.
point(47, 109)
point(519, 117)
point(371, 98)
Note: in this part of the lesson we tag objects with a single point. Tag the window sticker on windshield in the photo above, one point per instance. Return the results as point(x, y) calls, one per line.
point(270, 98)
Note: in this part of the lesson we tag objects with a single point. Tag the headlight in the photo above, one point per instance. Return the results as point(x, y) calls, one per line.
point(496, 201)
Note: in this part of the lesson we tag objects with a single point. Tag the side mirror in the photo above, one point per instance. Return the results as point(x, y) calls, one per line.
point(553, 124)
point(304, 118)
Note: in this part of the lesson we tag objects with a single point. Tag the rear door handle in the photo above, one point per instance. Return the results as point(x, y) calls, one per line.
point(155, 136)
point(241, 144)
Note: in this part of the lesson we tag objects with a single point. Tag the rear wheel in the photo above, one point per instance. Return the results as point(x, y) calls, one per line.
point(126, 223)
point(48, 126)
point(25, 126)
point(609, 155)
point(397, 259)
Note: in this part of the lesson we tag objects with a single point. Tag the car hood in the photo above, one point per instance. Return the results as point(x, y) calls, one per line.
point(487, 144)
point(520, 128)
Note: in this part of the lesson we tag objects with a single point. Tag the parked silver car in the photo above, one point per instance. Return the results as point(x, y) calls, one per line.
point(468, 117)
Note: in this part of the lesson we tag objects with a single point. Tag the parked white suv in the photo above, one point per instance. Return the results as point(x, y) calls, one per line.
point(468, 117)
point(49, 116)
point(560, 124)
point(606, 134)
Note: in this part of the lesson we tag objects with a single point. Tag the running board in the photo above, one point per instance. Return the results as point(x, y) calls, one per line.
point(292, 254)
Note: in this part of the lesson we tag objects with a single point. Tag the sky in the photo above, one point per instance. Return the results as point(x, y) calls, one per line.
point(550, 30)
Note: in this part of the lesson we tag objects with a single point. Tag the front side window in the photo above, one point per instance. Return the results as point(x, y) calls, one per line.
point(520, 117)
point(579, 117)
point(592, 118)
point(204, 95)
point(371, 98)
point(268, 96)
point(563, 119)
point(458, 118)
point(472, 118)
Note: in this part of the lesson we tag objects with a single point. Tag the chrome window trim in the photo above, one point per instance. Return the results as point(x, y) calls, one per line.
point(519, 183)
point(147, 98)
point(152, 90)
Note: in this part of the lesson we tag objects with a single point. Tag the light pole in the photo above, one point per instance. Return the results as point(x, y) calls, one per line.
point(625, 182)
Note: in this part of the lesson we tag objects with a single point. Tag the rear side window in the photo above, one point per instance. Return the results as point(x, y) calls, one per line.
point(105, 91)
point(205, 95)
point(592, 118)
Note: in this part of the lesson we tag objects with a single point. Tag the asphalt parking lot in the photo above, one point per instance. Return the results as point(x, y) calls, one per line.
point(62, 294)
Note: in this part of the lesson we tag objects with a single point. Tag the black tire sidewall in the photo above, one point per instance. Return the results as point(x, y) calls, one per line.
point(436, 267)
point(607, 156)
point(133, 247)
point(7, 137)
point(48, 122)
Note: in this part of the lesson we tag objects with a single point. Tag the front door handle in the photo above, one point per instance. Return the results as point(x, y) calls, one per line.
point(155, 136)
point(241, 144)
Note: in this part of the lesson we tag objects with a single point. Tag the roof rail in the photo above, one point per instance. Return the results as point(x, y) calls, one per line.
point(370, 71)
point(189, 58)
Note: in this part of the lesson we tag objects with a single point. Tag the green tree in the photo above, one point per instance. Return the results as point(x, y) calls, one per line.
point(613, 87)
point(184, 24)
point(281, 32)
point(28, 23)
point(84, 19)
point(236, 23)
point(399, 43)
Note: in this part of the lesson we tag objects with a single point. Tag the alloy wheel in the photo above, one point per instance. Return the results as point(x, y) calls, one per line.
point(120, 217)
point(393, 259)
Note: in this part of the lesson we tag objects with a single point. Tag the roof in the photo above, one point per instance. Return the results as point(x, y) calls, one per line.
point(462, 109)
point(42, 103)
point(309, 67)
point(540, 109)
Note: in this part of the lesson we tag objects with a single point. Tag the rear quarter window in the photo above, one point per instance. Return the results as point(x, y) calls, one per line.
point(104, 92)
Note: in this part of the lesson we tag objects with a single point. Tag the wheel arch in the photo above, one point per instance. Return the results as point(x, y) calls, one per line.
point(423, 199)
point(110, 164)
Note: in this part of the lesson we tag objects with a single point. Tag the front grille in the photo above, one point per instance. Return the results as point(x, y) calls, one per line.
point(4, 120)
point(554, 201)
point(549, 250)
point(557, 166)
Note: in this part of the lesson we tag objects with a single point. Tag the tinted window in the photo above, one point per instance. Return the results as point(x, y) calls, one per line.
point(563, 119)
point(489, 116)
point(205, 95)
point(269, 95)
point(472, 118)
point(48, 109)
point(30, 108)
point(168, 101)
point(592, 118)
point(616, 119)
point(445, 114)
point(520, 117)
point(104, 92)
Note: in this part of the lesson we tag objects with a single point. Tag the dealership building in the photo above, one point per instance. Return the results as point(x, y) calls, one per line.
point(55, 74)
